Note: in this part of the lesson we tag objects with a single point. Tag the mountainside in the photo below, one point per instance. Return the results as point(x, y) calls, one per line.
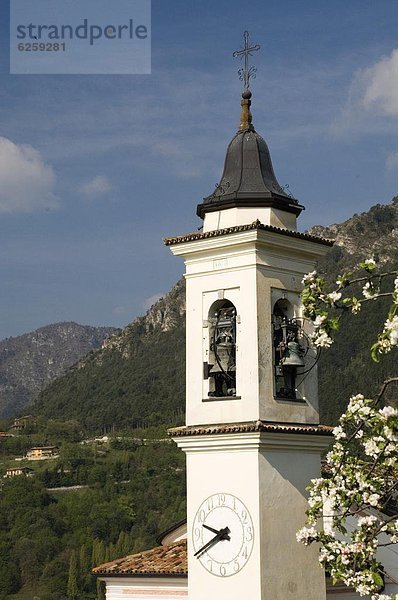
point(346, 368)
point(30, 361)
point(373, 233)
point(138, 375)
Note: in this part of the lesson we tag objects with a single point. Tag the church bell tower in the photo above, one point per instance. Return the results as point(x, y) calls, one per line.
point(252, 436)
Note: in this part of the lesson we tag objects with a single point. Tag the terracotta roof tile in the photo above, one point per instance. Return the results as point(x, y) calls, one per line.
point(189, 237)
point(248, 427)
point(162, 560)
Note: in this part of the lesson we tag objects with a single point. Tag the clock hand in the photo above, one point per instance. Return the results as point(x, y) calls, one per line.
point(210, 528)
point(206, 546)
point(221, 535)
point(225, 536)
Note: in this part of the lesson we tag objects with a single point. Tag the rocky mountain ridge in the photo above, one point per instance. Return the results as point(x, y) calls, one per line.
point(31, 361)
point(163, 316)
point(371, 233)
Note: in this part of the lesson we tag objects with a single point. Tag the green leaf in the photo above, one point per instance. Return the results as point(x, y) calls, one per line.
point(367, 267)
point(377, 578)
point(334, 323)
point(306, 294)
point(393, 311)
point(374, 352)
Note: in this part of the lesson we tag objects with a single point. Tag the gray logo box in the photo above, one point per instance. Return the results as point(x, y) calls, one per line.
point(80, 37)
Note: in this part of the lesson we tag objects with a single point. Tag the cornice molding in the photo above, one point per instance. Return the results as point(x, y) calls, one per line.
point(252, 436)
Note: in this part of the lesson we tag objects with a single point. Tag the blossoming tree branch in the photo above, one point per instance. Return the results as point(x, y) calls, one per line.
point(361, 470)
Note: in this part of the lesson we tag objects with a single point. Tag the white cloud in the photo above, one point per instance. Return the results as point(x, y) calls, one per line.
point(392, 161)
point(26, 181)
point(152, 300)
point(372, 103)
point(96, 187)
point(381, 86)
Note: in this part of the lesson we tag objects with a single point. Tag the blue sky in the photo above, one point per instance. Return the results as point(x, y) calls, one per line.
point(96, 170)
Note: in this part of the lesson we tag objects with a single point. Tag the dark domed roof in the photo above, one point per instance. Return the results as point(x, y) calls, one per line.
point(248, 179)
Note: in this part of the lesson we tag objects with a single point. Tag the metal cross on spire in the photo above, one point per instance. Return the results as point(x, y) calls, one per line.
point(246, 73)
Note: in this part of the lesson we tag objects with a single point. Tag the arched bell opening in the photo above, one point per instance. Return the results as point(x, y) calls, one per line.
point(221, 367)
point(288, 348)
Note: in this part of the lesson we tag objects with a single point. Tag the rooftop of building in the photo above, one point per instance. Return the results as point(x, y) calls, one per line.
point(170, 560)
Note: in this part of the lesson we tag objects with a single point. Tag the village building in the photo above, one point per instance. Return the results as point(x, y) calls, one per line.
point(21, 423)
point(5, 435)
point(18, 471)
point(159, 572)
point(42, 452)
point(253, 440)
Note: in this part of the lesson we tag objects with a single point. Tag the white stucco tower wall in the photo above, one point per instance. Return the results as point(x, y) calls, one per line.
point(252, 266)
point(252, 446)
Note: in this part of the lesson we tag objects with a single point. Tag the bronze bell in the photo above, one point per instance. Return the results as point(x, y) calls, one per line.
point(293, 356)
point(225, 341)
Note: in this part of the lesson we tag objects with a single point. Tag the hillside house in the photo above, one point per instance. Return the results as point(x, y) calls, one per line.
point(18, 471)
point(21, 422)
point(42, 452)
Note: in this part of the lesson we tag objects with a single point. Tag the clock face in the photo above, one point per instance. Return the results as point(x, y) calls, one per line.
point(222, 534)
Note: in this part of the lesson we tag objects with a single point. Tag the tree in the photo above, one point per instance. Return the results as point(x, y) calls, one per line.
point(72, 590)
point(85, 577)
point(361, 478)
point(9, 574)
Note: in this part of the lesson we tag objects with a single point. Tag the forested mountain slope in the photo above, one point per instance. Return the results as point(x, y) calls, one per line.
point(138, 375)
point(100, 499)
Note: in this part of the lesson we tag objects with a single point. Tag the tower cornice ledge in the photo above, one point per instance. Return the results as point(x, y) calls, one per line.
point(256, 225)
point(253, 435)
point(249, 427)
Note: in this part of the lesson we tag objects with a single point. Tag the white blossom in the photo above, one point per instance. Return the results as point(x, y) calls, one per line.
point(363, 589)
point(369, 291)
point(319, 320)
point(391, 328)
point(384, 346)
point(367, 521)
point(372, 499)
point(309, 277)
point(388, 411)
point(389, 434)
point(305, 534)
point(321, 339)
point(371, 448)
point(334, 296)
point(339, 433)
point(362, 463)
point(370, 262)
